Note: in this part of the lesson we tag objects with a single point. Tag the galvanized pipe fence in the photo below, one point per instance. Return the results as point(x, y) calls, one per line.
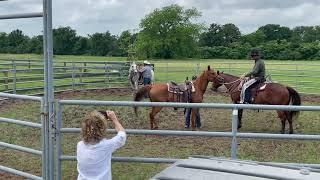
point(71, 76)
point(46, 103)
point(234, 134)
point(43, 127)
point(77, 75)
point(56, 132)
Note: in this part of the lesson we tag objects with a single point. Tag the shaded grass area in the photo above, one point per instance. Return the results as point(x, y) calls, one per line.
point(161, 146)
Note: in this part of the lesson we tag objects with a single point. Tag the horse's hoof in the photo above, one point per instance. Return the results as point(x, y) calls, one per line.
point(291, 132)
point(155, 128)
point(239, 126)
point(282, 132)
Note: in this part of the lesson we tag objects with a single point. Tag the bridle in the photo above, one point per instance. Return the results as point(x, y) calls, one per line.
point(231, 89)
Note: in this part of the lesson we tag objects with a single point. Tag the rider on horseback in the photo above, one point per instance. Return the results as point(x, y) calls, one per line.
point(146, 73)
point(257, 75)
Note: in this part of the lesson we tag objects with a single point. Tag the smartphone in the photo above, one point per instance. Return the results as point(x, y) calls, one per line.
point(104, 113)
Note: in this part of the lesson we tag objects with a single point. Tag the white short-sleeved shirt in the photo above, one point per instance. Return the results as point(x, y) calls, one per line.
point(94, 161)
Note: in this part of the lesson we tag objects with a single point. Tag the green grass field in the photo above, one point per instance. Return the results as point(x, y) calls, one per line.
point(302, 75)
point(160, 146)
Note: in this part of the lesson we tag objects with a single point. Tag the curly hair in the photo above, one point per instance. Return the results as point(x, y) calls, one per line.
point(93, 127)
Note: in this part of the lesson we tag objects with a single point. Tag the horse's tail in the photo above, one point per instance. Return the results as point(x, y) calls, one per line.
point(295, 99)
point(141, 94)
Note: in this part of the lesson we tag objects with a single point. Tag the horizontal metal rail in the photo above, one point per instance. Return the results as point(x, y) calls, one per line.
point(19, 173)
point(130, 159)
point(207, 134)
point(19, 122)
point(21, 148)
point(190, 105)
point(25, 97)
point(23, 15)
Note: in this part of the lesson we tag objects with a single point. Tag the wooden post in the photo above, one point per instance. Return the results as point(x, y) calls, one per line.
point(65, 66)
point(85, 68)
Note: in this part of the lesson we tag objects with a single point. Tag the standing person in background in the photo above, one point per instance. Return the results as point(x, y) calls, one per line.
point(94, 151)
point(188, 113)
point(146, 73)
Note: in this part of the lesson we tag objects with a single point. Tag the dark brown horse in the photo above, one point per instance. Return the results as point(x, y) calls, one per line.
point(159, 93)
point(273, 94)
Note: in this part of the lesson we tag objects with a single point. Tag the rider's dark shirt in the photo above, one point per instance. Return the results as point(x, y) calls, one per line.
point(258, 70)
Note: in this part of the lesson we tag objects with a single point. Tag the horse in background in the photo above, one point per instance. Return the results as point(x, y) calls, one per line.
point(161, 93)
point(264, 93)
point(134, 76)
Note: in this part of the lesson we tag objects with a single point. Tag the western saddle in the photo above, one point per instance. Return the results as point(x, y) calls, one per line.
point(181, 92)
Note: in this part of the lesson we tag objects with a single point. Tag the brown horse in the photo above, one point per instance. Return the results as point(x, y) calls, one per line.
point(273, 94)
point(159, 93)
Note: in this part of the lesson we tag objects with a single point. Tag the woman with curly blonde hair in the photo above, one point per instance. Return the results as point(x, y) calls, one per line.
point(94, 151)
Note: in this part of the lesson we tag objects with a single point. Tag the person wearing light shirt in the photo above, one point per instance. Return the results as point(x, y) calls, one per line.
point(94, 151)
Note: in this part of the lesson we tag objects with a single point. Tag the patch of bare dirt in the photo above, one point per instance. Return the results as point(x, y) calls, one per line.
point(5, 176)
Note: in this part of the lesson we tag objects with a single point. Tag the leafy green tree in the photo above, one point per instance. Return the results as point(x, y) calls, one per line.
point(254, 39)
point(81, 46)
point(102, 44)
point(212, 37)
point(124, 41)
point(36, 45)
point(3, 42)
point(168, 33)
point(231, 34)
point(275, 32)
point(64, 40)
point(17, 42)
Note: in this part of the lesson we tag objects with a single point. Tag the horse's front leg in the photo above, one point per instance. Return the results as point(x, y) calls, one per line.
point(153, 113)
point(240, 111)
point(136, 85)
point(193, 118)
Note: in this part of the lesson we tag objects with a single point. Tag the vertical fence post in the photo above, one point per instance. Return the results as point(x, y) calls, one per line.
point(234, 134)
point(65, 66)
point(14, 78)
point(29, 64)
point(80, 75)
point(12, 61)
point(73, 78)
point(167, 74)
point(6, 80)
point(58, 142)
point(44, 141)
point(85, 67)
point(198, 68)
point(296, 74)
point(105, 73)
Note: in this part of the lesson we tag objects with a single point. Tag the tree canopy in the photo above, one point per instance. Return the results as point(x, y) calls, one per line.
point(172, 32)
point(168, 32)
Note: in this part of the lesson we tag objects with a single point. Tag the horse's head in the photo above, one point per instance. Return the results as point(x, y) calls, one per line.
point(133, 67)
point(217, 82)
point(210, 74)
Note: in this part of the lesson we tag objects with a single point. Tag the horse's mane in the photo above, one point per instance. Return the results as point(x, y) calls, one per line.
point(230, 75)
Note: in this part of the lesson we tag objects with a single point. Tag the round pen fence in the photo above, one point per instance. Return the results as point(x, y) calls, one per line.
point(26, 76)
point(233, 135)
point(17, 75)
point(42, 151)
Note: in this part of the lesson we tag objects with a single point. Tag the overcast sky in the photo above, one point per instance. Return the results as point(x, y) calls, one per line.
point(90, 16)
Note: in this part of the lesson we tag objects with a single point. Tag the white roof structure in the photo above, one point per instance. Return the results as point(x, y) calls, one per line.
point(225, 169)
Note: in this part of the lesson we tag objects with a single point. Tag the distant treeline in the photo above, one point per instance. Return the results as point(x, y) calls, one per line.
point(170, 32)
